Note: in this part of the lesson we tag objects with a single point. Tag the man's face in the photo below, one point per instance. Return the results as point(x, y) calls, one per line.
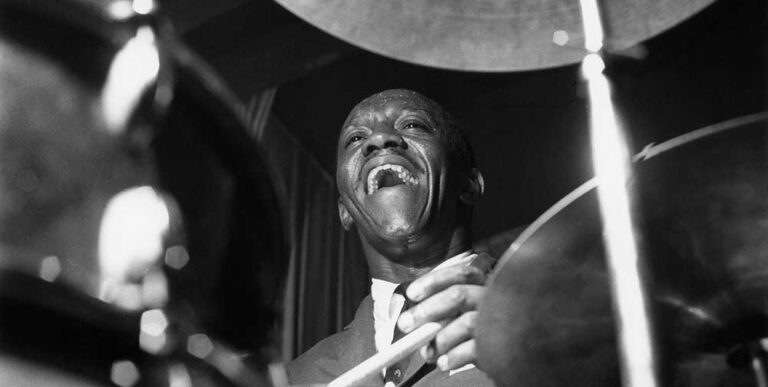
point(393, 170)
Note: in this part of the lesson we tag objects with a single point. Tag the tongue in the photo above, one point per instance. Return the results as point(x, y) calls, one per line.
point(389, 179)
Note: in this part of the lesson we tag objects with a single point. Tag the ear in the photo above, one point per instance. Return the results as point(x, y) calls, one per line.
point(474, 188)
point(346, 218)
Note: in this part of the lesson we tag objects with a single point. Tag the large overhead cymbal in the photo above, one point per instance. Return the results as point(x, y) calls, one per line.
point(702, 211)
point(500, 35)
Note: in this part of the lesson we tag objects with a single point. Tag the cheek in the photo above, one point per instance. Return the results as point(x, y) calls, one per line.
point(434, 150)
point(346, 174)
point(438, 164)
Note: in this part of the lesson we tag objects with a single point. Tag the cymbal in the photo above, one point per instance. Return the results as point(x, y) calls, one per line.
point(487, 35)
point(701, 206)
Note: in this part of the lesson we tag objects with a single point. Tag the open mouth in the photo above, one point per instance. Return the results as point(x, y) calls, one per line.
point(389, 175)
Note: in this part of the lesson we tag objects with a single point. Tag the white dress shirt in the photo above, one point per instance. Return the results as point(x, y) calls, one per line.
point(387, 305)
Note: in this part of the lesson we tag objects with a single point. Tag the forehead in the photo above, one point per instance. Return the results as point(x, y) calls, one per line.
point(391, 103)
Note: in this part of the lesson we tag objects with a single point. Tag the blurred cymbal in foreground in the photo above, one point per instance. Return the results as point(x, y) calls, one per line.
point(701, 204)
point(129, 188)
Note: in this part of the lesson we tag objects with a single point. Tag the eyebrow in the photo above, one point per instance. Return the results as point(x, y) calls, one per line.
point(359, 117)
point(430, 117)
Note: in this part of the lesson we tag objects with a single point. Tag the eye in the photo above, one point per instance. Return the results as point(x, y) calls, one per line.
point(353, 139)
point(416, 125)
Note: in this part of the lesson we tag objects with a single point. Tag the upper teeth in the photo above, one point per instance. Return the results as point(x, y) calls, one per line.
point(402, 173)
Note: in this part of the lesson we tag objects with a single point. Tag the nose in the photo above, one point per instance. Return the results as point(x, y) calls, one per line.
point(382, 139)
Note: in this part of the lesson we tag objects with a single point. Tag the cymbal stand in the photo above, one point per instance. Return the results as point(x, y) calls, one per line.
point(612, 168)
point(759, 363)
point(753, 355)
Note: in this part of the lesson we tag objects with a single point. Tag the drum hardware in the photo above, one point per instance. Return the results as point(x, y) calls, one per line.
point(92, 300)
point(626, 269)
point(549, 309)
point(700, 205)
point(609, 159)
point(713, 319)
point(172, 334)
point(62, 328)
point(486, 36)
point(752, 356)
point(611, 163)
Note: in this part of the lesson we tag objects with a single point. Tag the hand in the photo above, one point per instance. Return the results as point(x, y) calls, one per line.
point(452, 293)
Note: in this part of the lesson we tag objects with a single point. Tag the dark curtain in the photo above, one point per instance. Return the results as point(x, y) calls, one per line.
point(327, 275)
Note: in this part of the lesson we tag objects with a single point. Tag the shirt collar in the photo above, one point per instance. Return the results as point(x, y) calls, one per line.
point(381, 293)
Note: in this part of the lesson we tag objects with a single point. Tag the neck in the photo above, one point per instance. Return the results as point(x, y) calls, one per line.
point(414, 263)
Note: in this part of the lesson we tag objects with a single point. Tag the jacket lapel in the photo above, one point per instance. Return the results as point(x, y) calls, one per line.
point(360, 344)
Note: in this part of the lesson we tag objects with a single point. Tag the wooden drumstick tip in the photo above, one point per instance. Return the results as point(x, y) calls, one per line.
point(398, 351)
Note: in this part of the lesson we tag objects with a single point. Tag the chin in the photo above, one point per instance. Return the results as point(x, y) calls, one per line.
point(396, 227)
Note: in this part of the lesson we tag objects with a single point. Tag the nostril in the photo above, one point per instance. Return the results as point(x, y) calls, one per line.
point(395, 143)
point(383, 140)
point(369, 149)
point(379, 146)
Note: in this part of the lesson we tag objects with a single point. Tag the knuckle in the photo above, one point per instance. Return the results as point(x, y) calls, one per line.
point(466, 270)
point(421, 287)
point(441, 342)
point(417, 313)
point(457, 294)
point(470, 273)
point(468, 320)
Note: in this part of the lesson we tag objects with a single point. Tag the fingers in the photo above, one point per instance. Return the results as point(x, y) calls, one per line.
point(459, 356)
point(452, 336)
point(446, 304)
point(450, 293)
point(439, 280)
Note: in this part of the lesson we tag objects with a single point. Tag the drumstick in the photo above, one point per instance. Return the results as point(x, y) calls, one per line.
point(398, 351)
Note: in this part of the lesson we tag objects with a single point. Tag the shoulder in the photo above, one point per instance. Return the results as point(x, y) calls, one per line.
point(319, 363)
point(333, 355)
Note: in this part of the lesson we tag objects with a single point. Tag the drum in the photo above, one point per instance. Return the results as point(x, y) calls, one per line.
point(701, 210)
point(136, 216)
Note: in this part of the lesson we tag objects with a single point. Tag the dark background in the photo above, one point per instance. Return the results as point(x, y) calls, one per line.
point(295, 86)
point(529, 128)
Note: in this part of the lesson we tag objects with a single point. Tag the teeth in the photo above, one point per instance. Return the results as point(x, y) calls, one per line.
point(402, 173)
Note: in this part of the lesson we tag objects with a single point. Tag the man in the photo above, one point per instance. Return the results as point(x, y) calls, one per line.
point(407, 182)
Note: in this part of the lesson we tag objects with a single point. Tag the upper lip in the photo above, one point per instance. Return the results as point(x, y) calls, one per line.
point(382, 159)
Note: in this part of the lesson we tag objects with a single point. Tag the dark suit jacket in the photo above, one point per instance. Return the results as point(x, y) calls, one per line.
point(338, 353)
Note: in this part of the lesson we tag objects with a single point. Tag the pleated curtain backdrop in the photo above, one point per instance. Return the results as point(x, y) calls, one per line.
point(327, 275)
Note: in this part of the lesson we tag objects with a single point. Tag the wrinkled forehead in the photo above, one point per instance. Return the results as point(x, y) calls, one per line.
point(391, 101)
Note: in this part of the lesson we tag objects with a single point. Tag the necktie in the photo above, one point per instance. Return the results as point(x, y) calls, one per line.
point(395, 372)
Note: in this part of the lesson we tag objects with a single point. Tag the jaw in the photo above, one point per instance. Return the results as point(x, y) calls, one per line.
point(399, 221)
point(390, 216)
point(397, 211)
point(402, 227)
